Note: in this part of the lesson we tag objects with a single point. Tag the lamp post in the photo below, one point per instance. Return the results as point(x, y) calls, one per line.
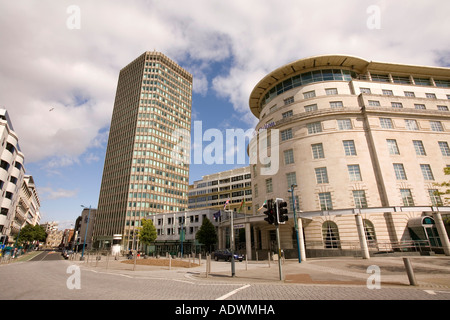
point(85, 234)
point(295, 222)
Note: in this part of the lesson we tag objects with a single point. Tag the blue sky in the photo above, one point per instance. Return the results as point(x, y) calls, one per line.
point(55, 56)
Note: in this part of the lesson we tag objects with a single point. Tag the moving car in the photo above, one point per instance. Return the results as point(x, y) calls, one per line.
point(226, 255)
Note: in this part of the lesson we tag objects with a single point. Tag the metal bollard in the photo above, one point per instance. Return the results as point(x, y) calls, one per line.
point(410, 272)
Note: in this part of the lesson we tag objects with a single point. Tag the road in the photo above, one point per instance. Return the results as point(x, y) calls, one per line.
point(49, 277)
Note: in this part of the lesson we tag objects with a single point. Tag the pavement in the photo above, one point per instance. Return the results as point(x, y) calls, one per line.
point(429, 272)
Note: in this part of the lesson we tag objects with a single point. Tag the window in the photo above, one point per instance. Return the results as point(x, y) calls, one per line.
point(331, 91)
point(370, 231)
point(344, 124)
point(436, 126)
point(354, 172)
point(287, 114)
point(399, 170)
point(400, 79)
point(435, 197)
point(325, 201)
point(291, 178)
point(422, 81)
point(336, 104)
point(396, 105)
point(392, 146)
point(288, 100)
point(269, 185)
point(321, 175)
point(317, 151)
point(430, 95)
point(419, 106)
point(359, 196)
point(407, 197)
point(289, 156)
point(286, 134)
point(349, 147)
point(309, 94)
point(387, 92)
point(426, 171)
point(374, 103)
point(312, 107)
point(365, 90)
point(443, 145)
point(420, 149)
point(386, 123)
point(442, 108)
point(409, 94)
point(256, 190)
point(330, 234)
point(314, 127)
point(411, 125)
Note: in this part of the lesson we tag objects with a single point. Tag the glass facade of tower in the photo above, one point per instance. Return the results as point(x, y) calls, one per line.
point(140, 176)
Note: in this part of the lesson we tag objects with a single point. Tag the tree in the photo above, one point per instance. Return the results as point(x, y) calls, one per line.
point(30, 233)
point(147, 232)
point(207, 234)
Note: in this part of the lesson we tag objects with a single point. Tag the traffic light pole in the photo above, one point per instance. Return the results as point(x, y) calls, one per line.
point(233, 272)
point(279, 253)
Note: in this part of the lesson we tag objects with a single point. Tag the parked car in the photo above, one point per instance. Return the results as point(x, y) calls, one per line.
point(66, 253)
point(226, 255)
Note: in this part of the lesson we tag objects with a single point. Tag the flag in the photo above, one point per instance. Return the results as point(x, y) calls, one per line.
point(242, 204)
point(216, 215)
point(228, 201)
point(262, 205)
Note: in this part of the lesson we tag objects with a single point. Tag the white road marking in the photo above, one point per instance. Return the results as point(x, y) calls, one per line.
point(229, 294)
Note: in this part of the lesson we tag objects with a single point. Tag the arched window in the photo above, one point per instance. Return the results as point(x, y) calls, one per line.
point(370, 232)
point(330, 235)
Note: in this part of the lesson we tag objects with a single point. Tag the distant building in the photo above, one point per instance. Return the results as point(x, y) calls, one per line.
point(214, 190)
point(169, 225)
point(86, 223)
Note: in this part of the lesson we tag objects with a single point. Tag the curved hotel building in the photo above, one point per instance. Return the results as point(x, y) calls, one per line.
point(363, 143)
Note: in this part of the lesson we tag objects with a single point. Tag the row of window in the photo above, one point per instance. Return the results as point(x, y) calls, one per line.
point(345, 75)
point(388, 92)
point(339, 104)
point(346, 124)
point(360, 200)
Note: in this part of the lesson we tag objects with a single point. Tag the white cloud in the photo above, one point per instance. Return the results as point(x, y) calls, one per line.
point(45, 65)
point(53, 194)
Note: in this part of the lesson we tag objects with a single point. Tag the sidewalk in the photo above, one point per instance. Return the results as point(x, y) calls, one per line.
point(429, 271)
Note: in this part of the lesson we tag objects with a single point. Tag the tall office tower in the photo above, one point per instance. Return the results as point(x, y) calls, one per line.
point(140, 178)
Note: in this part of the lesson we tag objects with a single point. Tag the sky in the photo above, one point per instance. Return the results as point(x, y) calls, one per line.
point(60, 62)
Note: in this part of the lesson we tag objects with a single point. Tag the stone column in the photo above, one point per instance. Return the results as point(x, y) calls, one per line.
point(442, 232)
point(248, 241)
point(362, 237)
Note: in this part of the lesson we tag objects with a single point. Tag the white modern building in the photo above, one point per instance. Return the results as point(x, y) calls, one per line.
point(360, 146)
point(19, 199)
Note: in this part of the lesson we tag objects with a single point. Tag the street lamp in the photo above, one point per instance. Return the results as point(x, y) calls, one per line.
point(85, 234)
point(295, 222)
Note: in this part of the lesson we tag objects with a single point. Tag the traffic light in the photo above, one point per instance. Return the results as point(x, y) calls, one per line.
point(270, 212)
point(282, 212)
